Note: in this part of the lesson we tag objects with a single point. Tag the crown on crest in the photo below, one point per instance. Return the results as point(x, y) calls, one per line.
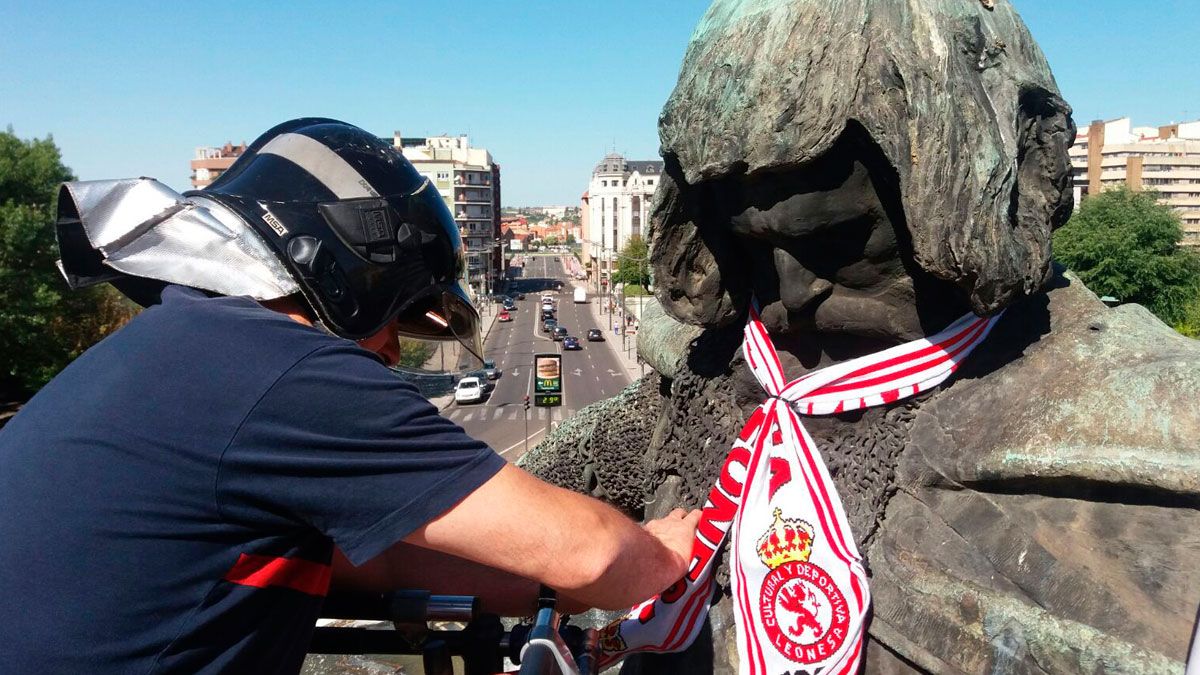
point(787, 540)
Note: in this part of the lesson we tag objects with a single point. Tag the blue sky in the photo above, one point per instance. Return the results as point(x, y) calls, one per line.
point(548, 87)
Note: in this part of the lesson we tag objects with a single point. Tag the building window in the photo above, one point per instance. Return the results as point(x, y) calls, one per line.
point(649, 181)
point(443, 175)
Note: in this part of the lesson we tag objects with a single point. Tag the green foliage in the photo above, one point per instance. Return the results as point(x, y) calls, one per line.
point(1125, 244)
point(414, 353)
point(43, 325)
point(550, 241)
point(633, 263)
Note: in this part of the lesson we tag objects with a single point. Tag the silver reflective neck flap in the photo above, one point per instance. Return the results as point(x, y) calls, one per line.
point(143, 228)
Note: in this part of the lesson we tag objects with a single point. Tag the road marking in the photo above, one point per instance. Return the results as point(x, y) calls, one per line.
point(597, 378)
point(499, 412)
point(453, 414)
point(541, 413)
point(468, 417)
point(522, 441)
point(514, 415)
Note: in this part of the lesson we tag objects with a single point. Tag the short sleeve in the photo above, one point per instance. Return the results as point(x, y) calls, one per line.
point(341, 444)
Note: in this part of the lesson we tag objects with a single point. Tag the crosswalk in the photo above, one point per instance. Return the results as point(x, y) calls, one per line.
point(510, 413)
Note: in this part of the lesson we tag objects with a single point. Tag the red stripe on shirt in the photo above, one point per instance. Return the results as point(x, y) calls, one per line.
point(262, 571)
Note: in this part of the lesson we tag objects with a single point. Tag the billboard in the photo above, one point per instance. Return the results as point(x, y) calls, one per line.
point(547, 379)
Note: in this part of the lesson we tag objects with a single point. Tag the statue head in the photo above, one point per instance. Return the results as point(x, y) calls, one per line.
point(861, 167)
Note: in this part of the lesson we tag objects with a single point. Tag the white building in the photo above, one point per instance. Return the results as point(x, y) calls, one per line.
point(1165, 159)
point(617, 207)
point(469, 180)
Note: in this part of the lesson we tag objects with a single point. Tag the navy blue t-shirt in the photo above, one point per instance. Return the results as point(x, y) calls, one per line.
point(170, 502)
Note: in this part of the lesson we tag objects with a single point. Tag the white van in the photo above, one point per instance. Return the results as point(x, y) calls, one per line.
point(580, 294)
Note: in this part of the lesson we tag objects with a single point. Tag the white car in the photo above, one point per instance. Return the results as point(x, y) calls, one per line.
point(469, 390)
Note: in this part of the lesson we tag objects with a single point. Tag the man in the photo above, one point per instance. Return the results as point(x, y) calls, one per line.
point(179, 498)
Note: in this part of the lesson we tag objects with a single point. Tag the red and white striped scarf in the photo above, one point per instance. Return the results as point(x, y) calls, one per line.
point(800, 593)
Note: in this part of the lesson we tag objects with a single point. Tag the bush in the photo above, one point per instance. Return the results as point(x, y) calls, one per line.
point(414, 353)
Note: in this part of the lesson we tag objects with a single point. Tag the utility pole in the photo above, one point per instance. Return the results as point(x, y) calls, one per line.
point(526, 424)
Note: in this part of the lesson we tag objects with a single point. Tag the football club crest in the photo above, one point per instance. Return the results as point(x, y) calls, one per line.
point(803, 612)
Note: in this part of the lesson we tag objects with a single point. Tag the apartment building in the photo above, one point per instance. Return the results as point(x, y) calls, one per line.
point(616, 207)
point(469, 180)
point(1165, 159)
point(209, 163)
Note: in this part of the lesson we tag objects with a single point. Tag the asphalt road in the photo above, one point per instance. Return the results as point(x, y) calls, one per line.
point(589, 375)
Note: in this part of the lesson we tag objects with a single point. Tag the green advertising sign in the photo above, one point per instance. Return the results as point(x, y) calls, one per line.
point(547, 379)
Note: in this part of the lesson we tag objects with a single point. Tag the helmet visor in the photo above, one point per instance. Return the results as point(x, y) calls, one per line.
point(444, 313)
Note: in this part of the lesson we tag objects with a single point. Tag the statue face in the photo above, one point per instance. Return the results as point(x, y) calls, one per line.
point(825, 249)
point(878, 181)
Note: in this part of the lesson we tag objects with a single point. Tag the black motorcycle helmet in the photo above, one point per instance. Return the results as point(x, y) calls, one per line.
point(366, 237)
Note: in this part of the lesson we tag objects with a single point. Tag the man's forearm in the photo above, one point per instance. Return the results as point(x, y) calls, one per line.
point(578, 545)
point(631, 564)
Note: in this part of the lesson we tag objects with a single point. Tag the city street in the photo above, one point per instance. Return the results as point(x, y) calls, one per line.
point(589, 375)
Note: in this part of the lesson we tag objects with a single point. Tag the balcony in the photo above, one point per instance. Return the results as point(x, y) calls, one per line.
point(478, 196)
point(480, 180)
point(473, 214)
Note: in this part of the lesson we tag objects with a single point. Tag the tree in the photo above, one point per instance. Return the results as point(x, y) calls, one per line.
point(1125, 244)
point(43, 325)
point(633, 263)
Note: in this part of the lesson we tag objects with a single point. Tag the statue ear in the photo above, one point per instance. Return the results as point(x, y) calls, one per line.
point(697, 276)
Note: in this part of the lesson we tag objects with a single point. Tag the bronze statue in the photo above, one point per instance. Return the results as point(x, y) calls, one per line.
point(870, 170)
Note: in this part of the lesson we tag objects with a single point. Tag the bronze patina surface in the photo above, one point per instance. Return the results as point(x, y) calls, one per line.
point(869, 170)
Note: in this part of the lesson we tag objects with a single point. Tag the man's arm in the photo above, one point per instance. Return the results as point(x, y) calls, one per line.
point(577, 545)
point(406, 566)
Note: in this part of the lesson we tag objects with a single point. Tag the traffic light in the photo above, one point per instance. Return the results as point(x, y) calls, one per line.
point(527, 401)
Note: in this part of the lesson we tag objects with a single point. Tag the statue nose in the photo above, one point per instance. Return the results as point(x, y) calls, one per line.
point(802, 286)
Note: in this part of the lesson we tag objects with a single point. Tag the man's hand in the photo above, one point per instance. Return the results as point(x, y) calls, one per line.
point(677, 531)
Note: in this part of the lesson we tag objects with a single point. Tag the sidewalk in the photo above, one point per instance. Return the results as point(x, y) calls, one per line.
point(626, 357)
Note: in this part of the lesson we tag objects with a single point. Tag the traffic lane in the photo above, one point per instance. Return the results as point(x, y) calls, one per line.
point(499, 420)
point(590, 375)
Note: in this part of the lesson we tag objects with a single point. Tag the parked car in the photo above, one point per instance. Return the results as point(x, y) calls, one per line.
point(469, 390)
point(559, 333)
point(595, 335)
point(490, 370)
point(520, 295)
point(504, 316)
point(571, 343)
point(549, 325)
point(500, 298)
